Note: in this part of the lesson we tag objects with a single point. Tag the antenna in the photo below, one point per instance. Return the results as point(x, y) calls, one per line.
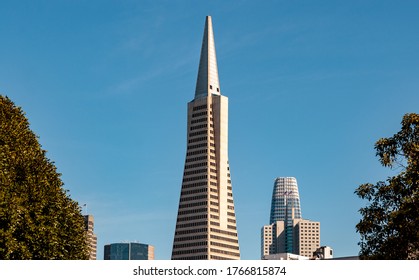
point(84, 208)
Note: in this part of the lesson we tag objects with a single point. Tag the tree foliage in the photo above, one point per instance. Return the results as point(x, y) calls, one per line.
point(38, 219)
point(389, 227)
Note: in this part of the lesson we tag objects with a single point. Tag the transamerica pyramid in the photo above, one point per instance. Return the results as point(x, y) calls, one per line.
point(206, 221)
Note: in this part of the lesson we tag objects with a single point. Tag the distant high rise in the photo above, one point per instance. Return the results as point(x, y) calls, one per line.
point(288, 232)
point(91, 236)
point(128, 251)
point(285, 204)
point(206, 220)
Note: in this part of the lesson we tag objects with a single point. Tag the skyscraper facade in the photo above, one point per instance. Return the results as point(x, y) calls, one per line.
point(288, 232)
point(91, 236)
point(285, 206)
point(304, 242)
point(285, 203)
point(206, 220)
point(128, 251)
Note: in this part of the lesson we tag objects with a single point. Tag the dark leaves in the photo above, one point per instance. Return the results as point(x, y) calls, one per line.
point(37, 218)
point(390, 221)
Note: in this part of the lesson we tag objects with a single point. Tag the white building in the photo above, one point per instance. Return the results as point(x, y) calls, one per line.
point(206, 220)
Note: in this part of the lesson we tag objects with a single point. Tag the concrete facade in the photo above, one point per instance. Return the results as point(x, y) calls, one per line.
point(288, 232)
point(305, 238)
point(90, 236)
point(206, 220)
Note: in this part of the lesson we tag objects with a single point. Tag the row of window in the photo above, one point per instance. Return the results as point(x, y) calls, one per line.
point(196, 178)
point(203, 151)
point(224, 245)
point(197, 257)
point(193, 198)
point(200, 145)
point(200, 126)
point(200, 107)
point(195, 127)
point(309, 230)
point(200, 210)
point(192, 237)
point(192, 172)
point(309, 239)
point(198, 139)
point(192, 204)
point(190, 231)
point(191, 218)
point(223, 232)
point(224, 238)
point(193, 191)
point(198, 120)
point(224, 252)
point(192, 211)
point(214, 203)
point(212, 257)
point(203, 113)
point(186, 245)
point(196, 159)
point(215, 217)
point(185, 252)
point(200, 164)
point(191, 185)
point(196, 224)
point(192, 134)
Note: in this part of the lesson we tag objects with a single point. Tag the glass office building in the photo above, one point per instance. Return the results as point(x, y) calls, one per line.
point(285, 204)
point(128, 251)
point(287, 231)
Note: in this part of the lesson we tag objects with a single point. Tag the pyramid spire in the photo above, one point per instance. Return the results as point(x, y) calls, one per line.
point(207, 82)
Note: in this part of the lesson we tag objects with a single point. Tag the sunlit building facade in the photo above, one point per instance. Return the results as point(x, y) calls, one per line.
point(285, 204)
point(288, 232)
point(90, 236)
point(206, 221)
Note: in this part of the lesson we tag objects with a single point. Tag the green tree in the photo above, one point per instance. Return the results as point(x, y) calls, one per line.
point(38, 219)
point(389, 227)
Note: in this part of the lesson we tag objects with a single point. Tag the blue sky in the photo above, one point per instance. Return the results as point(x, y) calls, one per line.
point(311, 85)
